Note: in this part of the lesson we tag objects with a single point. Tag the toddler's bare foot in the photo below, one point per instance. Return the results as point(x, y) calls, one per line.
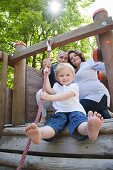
point(33, 133)
point(94, 124)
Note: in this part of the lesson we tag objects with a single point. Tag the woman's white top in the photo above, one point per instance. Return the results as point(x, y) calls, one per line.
point(90, 86)
point(71, 104)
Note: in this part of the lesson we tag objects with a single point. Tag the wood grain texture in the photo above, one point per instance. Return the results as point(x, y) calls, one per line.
point(65, 146)
point(53, 163)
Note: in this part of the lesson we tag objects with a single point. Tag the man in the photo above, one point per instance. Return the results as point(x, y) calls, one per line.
point(62, 57)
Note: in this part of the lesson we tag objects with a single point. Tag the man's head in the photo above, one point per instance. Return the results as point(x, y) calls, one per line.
point(62, 57)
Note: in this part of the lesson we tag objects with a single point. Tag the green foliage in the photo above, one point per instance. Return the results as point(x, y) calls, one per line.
point(31, 21)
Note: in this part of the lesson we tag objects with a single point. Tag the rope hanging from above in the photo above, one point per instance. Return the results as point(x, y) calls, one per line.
point(21, 163)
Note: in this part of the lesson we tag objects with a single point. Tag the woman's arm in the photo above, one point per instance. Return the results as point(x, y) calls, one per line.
point(98, 66)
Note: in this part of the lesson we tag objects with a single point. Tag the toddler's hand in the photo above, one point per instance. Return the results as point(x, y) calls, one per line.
point(46, 62)
point(46, 71)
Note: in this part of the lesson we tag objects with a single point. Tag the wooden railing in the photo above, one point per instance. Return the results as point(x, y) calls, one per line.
point(93, 29)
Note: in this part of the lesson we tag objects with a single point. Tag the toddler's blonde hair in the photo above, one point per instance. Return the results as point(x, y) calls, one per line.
point(63, 66)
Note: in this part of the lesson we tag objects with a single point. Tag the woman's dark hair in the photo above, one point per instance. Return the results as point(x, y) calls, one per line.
point(79, 53)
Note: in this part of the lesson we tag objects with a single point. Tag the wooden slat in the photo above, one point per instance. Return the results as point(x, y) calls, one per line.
point(34, 81)
point(65, 146)
point(48, 163)
point(63, 39)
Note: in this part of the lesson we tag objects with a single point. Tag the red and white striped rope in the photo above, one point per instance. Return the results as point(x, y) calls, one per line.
point(21, 163)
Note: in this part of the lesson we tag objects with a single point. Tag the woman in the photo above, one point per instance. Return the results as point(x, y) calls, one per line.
point(94, 95)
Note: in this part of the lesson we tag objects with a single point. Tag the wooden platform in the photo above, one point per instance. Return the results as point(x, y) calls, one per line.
point(63, 153)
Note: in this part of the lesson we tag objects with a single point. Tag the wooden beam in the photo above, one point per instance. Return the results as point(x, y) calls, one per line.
point(3, 90)
point(10, 160)
point(18, 106)
point(63, 39)
point(105, 42)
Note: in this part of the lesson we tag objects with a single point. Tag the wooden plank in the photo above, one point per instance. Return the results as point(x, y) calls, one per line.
point(48, 163)
point(107, 128)
point(63, 39)
point(3, 90)
point(101, 148)
point(34, 81)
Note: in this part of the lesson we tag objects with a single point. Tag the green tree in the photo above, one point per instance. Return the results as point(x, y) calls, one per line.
point(31, 21)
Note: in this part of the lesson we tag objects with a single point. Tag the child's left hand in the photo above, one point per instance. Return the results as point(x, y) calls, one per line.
point(45, 96)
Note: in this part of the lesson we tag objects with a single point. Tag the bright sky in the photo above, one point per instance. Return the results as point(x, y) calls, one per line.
point(107, 4)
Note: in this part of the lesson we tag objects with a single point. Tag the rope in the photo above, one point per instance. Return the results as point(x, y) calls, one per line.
point(36, 121)
point(21, 163)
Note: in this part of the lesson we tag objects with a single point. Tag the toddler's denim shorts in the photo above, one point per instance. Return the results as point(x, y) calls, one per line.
point(60, 120)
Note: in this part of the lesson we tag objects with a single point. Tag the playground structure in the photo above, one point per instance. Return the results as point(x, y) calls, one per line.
point(18, 107)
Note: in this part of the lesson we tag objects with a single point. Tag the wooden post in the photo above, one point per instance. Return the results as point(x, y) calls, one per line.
point(18, 109)
point(105, 42)
point(3, 90)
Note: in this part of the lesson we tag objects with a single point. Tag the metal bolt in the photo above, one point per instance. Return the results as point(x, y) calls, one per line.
point(104, 23)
